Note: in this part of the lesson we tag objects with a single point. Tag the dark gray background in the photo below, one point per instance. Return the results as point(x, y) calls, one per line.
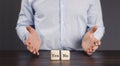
point(9, 10)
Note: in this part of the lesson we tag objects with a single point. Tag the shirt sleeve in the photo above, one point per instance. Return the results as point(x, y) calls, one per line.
point(25, 18)
point(95, 18)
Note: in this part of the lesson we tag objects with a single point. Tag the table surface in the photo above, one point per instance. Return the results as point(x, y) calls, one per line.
point(78, 58)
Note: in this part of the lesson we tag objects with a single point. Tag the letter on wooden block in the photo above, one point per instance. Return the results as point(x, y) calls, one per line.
point(65, 55)
point(55, 55)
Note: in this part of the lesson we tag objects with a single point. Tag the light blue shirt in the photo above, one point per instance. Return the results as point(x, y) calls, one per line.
point(61, 24)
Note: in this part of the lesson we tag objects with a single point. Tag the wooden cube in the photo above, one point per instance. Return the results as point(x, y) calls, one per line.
point(55, 55)
point(65, 55)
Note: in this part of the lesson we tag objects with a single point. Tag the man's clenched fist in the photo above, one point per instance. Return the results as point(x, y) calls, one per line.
point(90, 43)
point(33, 41)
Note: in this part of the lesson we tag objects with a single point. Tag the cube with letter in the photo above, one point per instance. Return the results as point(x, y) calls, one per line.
point(65, 55)
point(55, 55)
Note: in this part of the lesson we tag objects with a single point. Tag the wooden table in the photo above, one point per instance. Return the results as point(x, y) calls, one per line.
point(78, 58)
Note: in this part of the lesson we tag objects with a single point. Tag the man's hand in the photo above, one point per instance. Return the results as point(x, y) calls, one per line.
point(90, 43)
point(33, 41)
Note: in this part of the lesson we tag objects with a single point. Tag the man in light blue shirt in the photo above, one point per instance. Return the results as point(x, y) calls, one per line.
point(60, 25)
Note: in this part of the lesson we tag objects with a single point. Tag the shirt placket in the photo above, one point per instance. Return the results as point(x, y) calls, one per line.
point(62, 28)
